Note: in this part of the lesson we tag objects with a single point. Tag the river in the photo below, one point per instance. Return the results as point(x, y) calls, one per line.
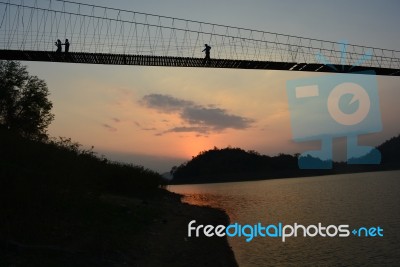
point(358, 200)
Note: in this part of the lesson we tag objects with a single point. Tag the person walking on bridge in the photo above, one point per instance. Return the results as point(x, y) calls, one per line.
point(66, 45)
point(207, 50)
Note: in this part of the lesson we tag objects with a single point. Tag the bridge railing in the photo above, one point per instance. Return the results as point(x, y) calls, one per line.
point(37, 24)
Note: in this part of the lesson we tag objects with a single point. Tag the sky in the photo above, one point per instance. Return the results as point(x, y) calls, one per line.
point(159, 117)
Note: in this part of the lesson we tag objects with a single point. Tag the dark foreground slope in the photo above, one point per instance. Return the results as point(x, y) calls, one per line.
point(61, 206)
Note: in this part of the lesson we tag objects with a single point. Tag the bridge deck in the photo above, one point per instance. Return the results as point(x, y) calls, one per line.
point(148, 60)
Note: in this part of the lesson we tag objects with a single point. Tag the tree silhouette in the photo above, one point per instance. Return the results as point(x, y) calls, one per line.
point(24, 106)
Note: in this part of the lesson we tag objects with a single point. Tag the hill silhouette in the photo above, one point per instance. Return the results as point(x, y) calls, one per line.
point(390, 151)
point(235, 164)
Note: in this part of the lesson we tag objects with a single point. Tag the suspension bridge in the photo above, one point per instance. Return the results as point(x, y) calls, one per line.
point(104, 35)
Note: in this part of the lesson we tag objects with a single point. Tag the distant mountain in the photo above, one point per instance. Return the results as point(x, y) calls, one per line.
point(235, 164)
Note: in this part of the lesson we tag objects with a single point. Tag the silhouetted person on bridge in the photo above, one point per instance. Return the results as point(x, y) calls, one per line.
point(207, 50)
point(66, 46)
point(58, 44)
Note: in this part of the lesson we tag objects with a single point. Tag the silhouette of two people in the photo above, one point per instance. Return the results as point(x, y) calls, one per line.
point(207, 50)
point(59, 44)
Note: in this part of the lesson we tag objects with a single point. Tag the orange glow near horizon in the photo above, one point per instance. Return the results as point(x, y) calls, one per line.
point(194, 145)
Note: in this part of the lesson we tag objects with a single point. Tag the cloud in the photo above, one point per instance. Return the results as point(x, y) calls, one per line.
point(165, 103)
point(186, 129)
point(195, 118)
point(109, 127)
point(216, 118)
point(149, 129)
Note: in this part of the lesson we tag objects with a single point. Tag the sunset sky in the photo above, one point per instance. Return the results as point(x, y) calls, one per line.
point(162, 116)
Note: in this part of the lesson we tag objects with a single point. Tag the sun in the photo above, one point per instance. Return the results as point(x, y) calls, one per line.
point(195, 144)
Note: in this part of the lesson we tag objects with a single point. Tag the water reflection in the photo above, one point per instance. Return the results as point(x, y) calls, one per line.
point(228, 203)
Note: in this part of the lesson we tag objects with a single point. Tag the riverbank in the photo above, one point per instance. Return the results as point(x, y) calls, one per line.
point(167, 242)
point(66, 207)
point(128, 232)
